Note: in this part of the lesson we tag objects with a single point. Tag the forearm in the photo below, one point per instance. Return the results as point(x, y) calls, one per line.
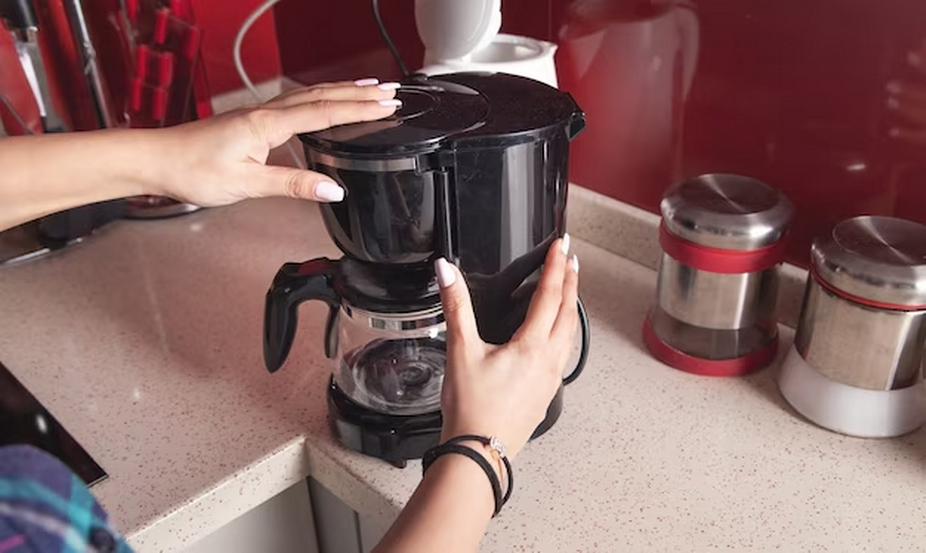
point(448, 512)
point(44, 174)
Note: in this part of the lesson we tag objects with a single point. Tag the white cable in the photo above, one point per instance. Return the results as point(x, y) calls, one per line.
point(236, 53)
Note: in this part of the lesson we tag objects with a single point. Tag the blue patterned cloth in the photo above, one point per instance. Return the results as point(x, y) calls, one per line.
point(45, 508)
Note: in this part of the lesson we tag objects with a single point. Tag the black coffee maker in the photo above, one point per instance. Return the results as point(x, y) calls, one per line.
point(473, 167)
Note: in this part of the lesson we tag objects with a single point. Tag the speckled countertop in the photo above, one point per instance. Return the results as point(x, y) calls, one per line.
point(145, 343)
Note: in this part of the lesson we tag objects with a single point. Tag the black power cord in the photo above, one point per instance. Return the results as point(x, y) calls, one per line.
point(583, 355)
point(392, 48)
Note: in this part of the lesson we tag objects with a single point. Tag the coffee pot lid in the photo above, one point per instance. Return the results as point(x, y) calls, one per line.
point(725, 211)
point(451, 29)
point(479, 109)
point(877, 259)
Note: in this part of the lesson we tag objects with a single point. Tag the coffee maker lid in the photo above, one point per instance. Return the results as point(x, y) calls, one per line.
point(466, 109)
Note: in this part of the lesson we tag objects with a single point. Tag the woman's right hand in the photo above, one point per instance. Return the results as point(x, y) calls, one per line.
point(504, 391)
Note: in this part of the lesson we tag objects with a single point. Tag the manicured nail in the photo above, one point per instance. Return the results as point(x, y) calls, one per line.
point(366, 82)
point(390, 103)
point(329, 191)
point(893, 87)
point(445, 274)
point(575, 263)
point(915, 59)
point(565, 244)
point(892, 103)
point(389, 86)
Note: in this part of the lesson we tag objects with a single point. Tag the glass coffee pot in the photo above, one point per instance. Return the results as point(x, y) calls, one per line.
point(387, 342)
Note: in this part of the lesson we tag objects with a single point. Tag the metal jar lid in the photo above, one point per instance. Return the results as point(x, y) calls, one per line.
point(881, 260)
point(729, 212)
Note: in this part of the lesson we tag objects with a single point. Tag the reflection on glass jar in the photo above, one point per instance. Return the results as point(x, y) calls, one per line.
point(391, 363)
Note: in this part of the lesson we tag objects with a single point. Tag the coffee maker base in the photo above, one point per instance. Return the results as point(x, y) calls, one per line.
point(398, 439)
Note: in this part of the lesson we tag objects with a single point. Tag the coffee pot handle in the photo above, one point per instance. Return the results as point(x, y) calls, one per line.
point(296, 283)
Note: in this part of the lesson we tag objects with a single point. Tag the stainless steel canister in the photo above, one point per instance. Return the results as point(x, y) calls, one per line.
point(856, 365)
point(722, 240)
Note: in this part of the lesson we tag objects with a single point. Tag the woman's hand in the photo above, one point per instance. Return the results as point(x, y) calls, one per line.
point(222, 159)
point(500, 391)
point(504, 391)
point(908, 102)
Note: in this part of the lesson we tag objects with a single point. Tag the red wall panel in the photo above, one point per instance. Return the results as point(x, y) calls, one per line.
point(220, 21)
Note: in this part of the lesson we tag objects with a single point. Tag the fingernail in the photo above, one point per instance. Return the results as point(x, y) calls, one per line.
point(329, 191)
point(390, 103)
point(389, 86)
point(575, 263)
point(914, 58)
point(445, 274)
point(366, 82)
point(565, 244)
point(892, 103)
point(893, 87)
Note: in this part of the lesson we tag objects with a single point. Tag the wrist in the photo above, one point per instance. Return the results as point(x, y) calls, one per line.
point(461, 469)
point(511, 446)
point(486, 452)
point(137, 161)
point(160, 163)
point(489, 454)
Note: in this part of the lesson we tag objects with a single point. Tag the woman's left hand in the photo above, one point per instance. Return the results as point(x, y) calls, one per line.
point(222, 159)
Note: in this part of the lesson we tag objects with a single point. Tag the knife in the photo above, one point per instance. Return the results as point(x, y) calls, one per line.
point(21, 16)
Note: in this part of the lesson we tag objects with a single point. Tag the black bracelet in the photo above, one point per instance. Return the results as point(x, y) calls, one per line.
point(452, 446)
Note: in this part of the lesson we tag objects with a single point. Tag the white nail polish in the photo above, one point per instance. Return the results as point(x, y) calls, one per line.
point(366, 82)
point(390, 103)
point(389, 86)
point(575, 263)
point(445, 274)
point(565, 244)
point(329, 191)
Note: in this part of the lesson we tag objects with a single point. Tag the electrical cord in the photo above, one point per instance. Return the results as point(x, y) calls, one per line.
point(239, 66)
point(583, 355)
point(392, 48)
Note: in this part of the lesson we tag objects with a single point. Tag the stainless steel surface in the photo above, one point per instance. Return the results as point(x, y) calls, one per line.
point(157, 207)
point(397, 322)
point(865, 347)
point(881, 259)
point(715, 300)
point(51, 121)
point(91, 68)
point(726, 211)
point(368, 165)
point(711, 344)
point(21, 244)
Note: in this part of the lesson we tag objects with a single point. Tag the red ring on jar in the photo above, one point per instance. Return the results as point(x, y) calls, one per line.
point(858, 299)
point(677, 359)
point(717, 260)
